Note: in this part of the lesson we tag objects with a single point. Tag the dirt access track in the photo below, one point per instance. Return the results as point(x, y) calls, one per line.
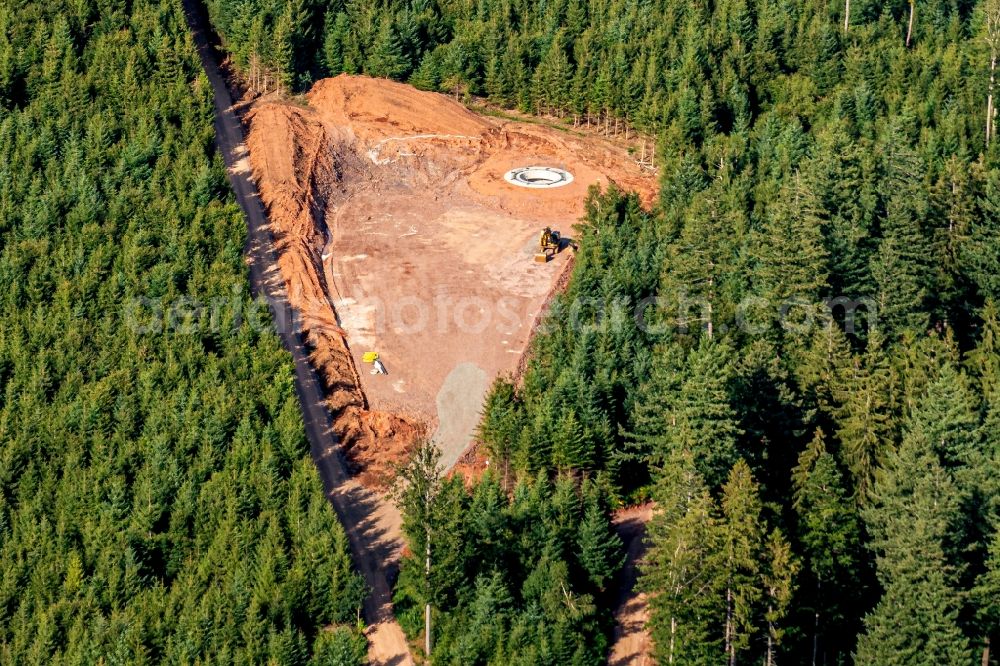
point(398, 234)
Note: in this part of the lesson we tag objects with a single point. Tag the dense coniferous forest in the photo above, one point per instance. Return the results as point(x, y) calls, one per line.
point(520, 574)
point(796, 353)
point(813, 398)
point(157, 500)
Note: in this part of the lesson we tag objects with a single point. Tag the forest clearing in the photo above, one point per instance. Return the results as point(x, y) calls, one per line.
point(712, 288)
point(398, 235)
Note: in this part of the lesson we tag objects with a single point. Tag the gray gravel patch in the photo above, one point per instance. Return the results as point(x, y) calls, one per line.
point(459, 407)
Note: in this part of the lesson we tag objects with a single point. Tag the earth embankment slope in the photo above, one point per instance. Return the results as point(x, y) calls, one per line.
point(398, 234)
point(298, 165)
point(372, 525)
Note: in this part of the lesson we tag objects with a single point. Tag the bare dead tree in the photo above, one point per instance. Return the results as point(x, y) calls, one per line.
point(992, 9)
point(909, 28)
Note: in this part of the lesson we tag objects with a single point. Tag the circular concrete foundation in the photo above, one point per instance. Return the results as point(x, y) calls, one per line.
point(538, 177)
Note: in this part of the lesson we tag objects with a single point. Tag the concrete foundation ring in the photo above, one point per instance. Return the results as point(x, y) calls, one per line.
point(538, 177)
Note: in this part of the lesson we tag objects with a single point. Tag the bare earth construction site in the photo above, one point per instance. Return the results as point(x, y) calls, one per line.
point(398, 234)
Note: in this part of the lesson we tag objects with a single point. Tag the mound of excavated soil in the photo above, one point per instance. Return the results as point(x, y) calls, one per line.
point(397, 234)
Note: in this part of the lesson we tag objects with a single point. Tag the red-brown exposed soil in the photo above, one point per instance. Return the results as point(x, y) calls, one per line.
point(397, 233)
point(295, 164)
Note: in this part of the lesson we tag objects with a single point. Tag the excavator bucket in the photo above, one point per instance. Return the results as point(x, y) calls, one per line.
point(541, 258)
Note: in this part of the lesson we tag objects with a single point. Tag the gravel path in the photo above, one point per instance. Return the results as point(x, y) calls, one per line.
point(373, 525)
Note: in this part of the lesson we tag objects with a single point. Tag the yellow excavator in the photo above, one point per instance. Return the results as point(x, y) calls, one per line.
point(549, 243)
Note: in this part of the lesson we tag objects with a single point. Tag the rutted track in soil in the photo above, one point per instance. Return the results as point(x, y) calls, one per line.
point(631, 644)
point(372, 525)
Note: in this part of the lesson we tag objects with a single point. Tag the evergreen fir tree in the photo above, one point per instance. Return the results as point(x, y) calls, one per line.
point(282, 52)
point(334, 32)
point(978, 252)
point(570, 449)
point(690, 412)
point(552, 77)
point(789, 251)
point(427, 76)
point(698, 278)
point(864, 425)
point(650, 418)
point(984, 360)
point(386, 58)
point(683, 569)
point(953, 204)
point(840, 174)
point(947, 417)
point(501, 423)
point(829, 533)
point(599, 548)
point(484, 524)
point(986, 599)
point(899, 284)
point(780, 567)
point(823, 366)
point(914, 508)
point(742, 535)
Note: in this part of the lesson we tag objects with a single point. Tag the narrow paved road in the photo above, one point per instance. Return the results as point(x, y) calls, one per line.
point(372, 524)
